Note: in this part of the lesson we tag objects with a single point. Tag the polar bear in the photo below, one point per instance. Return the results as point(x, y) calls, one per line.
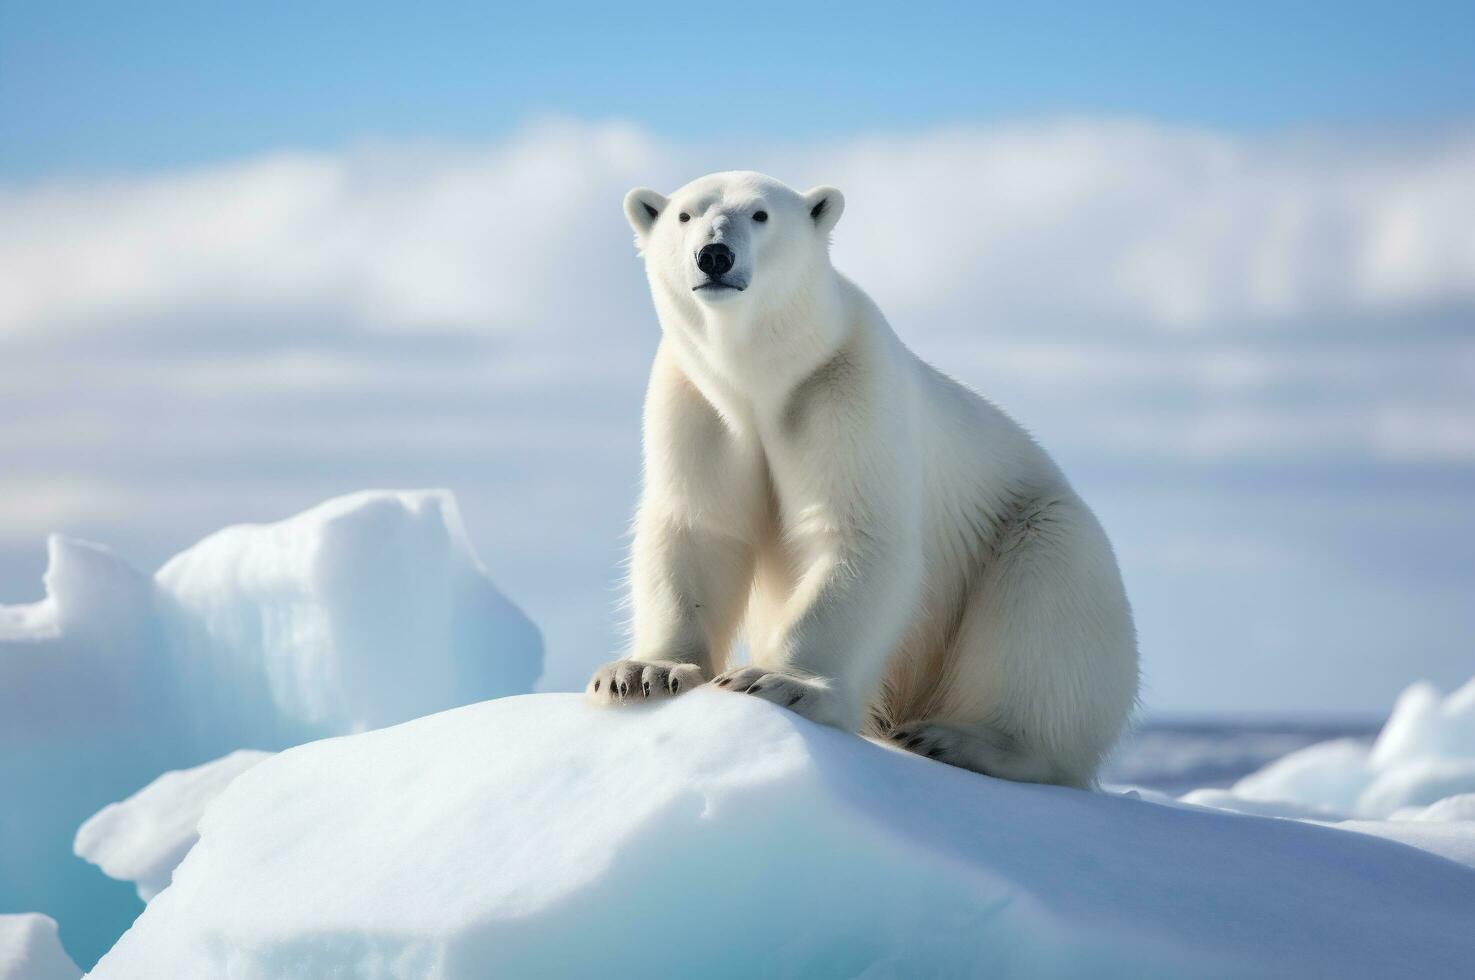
point(902, 558)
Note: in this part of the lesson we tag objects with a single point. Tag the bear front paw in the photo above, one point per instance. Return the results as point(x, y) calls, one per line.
point(639, 680)
point(810, 697)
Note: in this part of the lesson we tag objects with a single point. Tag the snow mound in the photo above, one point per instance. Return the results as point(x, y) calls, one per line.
point(29, 950)
point(718, 835)
point(143, 838)
point(364, 611)
point(1424, 755)
point(1448, 810)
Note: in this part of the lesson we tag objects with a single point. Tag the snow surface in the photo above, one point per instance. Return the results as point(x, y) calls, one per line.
point(29, 950)
point(364, 611)
point(142, 839)
point(718, 835)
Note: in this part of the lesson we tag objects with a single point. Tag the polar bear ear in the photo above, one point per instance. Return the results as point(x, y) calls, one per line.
point(642, 207)
point(825, 205)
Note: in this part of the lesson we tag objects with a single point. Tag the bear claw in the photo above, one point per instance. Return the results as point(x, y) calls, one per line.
point(642, 680)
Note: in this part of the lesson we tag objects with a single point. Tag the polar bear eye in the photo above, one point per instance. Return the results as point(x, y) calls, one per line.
point(685, 217)
point(760, 216)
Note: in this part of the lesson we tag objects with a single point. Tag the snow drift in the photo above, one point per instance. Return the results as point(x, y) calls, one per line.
point(29, 950)
point(718, 835)
point(362, 612)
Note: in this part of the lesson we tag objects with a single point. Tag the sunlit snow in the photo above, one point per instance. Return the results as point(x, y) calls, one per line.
point(718, 835)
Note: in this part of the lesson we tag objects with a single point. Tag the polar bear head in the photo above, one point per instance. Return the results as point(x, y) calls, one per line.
point(736, 240)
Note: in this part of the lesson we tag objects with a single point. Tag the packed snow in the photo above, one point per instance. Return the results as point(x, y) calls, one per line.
point(30, 950)
point(718, 835)
point(364, 611)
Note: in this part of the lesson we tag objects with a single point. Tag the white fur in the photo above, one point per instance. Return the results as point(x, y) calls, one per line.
point(903, 558)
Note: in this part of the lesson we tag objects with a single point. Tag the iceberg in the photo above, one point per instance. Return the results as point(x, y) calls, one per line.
point(718, 835)
point(89, 711)
point(365, 611)
point(30, 950)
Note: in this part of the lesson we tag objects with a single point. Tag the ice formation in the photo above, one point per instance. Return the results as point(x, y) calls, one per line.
point(717, 835)
point(1421, 761)
point(364, 611)
point(30, 950)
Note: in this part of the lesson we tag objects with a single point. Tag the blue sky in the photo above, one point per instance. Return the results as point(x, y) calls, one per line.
point(104, 87)
point(1217, 259)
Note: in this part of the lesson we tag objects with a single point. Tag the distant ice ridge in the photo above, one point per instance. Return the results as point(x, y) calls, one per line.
point(718, 835)
point(29, 950)
point(362, 612)
point(1418, 773)
point(1424, 754)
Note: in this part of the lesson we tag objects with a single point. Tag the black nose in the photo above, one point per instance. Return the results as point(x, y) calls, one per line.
point(715, 259)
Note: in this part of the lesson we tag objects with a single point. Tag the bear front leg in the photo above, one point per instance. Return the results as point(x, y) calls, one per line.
point(686, 586)
point(847, 617)
point(691, 561)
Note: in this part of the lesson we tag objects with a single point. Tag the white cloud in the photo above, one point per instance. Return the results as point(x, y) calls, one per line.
point(994, 227)
point(1068, 252)
point(386, 238)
